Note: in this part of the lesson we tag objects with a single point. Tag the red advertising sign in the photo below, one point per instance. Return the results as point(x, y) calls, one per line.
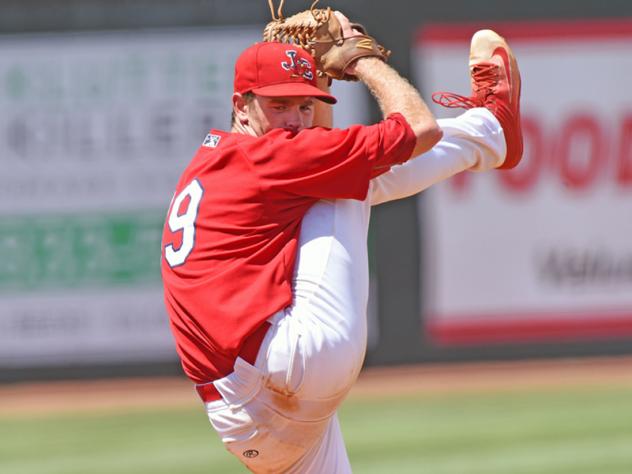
point(542, 252)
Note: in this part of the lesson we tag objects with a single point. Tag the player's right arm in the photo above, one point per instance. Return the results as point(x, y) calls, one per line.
point(328, 163)
point(394, 94)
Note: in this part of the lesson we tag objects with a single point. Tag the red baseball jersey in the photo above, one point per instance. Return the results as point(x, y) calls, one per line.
point(230, 239)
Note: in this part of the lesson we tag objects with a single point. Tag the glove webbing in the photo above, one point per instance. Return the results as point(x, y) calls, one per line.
point(301, 31)
point(279, 16)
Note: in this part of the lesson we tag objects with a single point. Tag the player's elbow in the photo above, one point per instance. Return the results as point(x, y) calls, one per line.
point(428, 135)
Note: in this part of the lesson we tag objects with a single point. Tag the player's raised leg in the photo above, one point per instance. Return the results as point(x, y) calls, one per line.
point(495, 80)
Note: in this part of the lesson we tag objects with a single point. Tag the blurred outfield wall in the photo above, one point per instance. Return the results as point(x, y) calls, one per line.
point(102, 103)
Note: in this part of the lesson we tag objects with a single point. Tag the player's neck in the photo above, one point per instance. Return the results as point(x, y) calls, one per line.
point(244, 129)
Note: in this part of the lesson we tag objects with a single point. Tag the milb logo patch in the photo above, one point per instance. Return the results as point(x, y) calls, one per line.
point(211, 141)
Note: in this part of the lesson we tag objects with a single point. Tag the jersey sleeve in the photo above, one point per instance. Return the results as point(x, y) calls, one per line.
point(330, 163)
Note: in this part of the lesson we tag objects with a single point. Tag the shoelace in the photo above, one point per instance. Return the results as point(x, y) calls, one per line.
point(485, 77)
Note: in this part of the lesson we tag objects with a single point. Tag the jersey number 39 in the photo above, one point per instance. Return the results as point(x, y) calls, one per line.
point(184, 223)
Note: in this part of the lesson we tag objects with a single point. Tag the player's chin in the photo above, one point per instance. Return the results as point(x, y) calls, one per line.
point(293, 130)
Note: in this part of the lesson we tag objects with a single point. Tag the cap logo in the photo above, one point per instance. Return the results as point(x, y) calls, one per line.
point(299, 67)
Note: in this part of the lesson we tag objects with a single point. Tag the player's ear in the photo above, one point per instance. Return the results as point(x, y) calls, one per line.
point(240, 108)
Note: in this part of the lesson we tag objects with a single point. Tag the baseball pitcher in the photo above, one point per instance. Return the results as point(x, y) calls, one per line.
point(264, 256)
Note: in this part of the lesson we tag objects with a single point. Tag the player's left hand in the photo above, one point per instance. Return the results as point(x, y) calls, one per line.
point(333, 41)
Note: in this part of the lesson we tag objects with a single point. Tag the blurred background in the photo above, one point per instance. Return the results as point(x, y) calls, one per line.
point(103, 103)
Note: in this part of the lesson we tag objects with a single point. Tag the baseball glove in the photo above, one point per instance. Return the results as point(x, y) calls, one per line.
point(319, 32)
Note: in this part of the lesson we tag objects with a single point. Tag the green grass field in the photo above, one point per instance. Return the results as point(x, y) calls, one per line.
point(578, 431)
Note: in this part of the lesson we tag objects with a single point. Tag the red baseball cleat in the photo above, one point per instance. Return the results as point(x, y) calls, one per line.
point(495, 86)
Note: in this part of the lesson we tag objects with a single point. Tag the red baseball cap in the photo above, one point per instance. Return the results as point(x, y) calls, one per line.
point(271, 69)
